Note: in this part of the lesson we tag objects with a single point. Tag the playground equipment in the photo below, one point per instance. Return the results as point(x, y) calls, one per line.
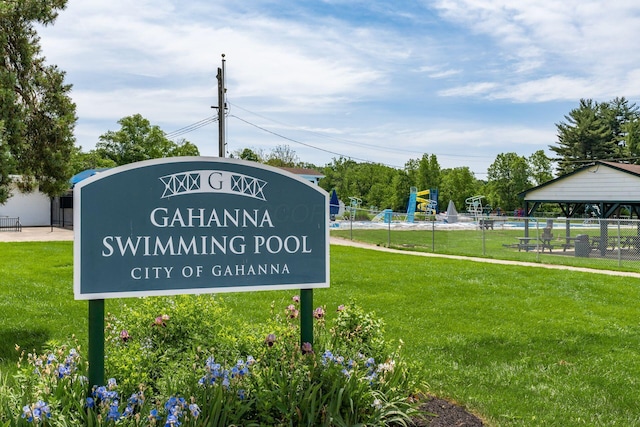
point(385, 215)
point(474, 206)
point(428, 205)
point(354, 205)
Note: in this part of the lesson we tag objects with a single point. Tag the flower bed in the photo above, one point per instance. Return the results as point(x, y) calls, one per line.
point(191, 363)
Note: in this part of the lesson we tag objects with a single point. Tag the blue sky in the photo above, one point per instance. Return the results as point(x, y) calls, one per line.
point(380, 81)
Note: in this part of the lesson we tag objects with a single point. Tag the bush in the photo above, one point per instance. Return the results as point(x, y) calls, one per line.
point(227, 372)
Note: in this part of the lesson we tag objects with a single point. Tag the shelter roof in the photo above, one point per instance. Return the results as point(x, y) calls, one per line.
point(598, 182)
point(607, 184)
point(304, 171)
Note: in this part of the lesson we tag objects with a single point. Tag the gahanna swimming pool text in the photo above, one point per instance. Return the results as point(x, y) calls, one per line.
point(206, 244)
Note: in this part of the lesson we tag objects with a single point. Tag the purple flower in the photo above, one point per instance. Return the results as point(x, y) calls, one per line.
point(307, 348)
point(124, 335)
point(296, 299)
point(318, 313)
point(270, 340)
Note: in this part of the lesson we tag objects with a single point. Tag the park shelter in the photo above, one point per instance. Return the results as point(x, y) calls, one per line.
point(603, 189)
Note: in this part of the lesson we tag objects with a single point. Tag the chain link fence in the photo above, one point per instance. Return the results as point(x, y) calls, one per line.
point(586, 242)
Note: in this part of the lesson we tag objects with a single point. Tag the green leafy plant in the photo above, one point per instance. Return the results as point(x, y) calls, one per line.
point(186, 361)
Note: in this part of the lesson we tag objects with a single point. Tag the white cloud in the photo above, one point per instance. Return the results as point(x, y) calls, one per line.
point(471, 89)
point(379, 78)
point(593, 42)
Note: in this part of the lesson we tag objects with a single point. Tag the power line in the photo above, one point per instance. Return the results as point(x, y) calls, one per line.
point(192, 127)
point(356, 143)
point(306, 144)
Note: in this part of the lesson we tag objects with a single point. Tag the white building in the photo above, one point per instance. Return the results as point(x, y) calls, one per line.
point(32, 209)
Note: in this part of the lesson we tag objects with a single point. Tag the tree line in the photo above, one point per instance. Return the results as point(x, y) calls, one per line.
point(37, 120)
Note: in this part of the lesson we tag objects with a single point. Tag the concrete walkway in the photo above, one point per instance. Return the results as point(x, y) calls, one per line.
point(43, 234)
point(36, 234)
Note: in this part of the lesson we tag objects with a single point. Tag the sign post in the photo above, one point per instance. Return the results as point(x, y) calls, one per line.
point(96, 342)
point(306, 316)
point(192, 225)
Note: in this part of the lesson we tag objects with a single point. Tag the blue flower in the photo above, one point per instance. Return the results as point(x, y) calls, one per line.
point(114, 413)
point(195, 410)
point(128, 411)
point(90, 403)
point(26, 413)
point(241, 394)
point(153, 416)
point(172, 421)
point(136, 399)
point(36, 412)
point(327, 357)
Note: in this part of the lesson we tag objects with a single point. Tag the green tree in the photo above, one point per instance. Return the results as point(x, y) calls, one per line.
point(367, 181)
point(424, 173)
point(138, 140)
point(632, 133)
point(507, 176)
point(457, 185)
point(540, 167)
point(586, 136)
point(339, 175)
point(81, 161)
point(618, 114)
point(35, 107)
point(282, 156)
point(400, 188)
point(248, 154)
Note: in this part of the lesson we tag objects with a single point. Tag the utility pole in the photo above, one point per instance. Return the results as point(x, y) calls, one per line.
point(222, 108)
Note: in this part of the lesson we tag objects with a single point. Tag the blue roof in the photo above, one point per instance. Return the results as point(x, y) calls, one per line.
point(84, 175)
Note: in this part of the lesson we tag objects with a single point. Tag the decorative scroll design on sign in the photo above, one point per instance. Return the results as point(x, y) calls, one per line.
point(212, 181)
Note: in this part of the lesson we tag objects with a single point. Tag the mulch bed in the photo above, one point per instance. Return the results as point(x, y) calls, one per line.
point(441, 413)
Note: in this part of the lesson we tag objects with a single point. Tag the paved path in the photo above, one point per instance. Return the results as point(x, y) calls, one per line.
point(36, 234)
point(43, 234)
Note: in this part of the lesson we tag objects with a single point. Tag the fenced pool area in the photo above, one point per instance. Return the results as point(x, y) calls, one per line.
point(606, 244)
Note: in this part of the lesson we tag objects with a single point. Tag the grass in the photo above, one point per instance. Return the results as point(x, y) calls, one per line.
point(491, 244)
point(521, 346)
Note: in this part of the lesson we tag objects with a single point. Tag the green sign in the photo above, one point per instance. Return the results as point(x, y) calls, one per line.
point(198, 225)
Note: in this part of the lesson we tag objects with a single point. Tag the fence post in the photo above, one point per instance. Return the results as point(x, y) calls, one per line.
point(483, 228)
point(538, 240)
point(433, 236)
point(618, 245)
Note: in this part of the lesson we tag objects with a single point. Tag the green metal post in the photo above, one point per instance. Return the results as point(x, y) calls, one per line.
point(96, 342)
point(306, 316)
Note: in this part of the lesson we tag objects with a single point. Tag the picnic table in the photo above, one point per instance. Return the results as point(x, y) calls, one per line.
point(526, 243)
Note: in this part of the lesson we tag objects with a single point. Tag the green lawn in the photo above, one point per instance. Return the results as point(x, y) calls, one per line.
point(497, 244)
point(521, 346)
